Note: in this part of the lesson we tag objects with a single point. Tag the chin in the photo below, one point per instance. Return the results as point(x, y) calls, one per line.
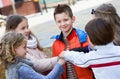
point(65, 30)
point(26, 37)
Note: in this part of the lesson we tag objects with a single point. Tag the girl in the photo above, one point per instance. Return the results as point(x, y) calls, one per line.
point(105, 59)
point(108, 12)
point(13, 51)
point(41, 63)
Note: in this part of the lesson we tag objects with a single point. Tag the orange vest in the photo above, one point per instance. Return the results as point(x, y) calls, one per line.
point(59, 46)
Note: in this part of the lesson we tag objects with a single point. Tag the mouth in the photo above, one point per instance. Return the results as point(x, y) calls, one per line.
point(64, 27)
point(27, 34)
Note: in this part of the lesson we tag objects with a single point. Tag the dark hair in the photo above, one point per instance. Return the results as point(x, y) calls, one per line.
point(63, 8)
point(99, 31)
point(105, 9)
point(13, 21)
point(109, 13)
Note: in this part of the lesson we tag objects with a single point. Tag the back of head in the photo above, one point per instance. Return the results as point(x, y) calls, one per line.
point(8, 42)
point(106, 9)
point(13, 21)
point(99, 31)
point(63, 8)
point(108, 12)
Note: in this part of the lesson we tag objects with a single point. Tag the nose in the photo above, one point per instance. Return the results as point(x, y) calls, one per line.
point(27, 30)
point(62, 23)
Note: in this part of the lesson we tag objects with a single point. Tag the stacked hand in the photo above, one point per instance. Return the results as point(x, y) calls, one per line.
point(61, 55)
point(61, 58)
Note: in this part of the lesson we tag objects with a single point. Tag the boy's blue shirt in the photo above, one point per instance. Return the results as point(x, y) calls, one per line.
point(81, 35)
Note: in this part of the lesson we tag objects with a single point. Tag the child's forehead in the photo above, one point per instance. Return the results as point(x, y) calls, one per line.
point(63, 14)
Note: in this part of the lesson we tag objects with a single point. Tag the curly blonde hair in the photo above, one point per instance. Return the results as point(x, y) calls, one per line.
point(8, 43)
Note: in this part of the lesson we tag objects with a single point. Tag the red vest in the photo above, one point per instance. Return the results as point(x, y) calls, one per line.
point(59, 46)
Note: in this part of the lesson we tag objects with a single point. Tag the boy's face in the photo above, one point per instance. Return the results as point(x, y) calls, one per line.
point(64, 21)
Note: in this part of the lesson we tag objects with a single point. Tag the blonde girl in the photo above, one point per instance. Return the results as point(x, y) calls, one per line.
point(13, 53)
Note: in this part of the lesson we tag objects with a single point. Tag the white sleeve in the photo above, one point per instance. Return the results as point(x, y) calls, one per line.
point(77, 58)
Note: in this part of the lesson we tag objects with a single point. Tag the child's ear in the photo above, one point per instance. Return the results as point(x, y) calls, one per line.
point(73, 18)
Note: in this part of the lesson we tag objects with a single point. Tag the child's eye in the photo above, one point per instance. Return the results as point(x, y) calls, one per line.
point(23, 28)
point(58, 21)
point(24, 47)
point(65, 19)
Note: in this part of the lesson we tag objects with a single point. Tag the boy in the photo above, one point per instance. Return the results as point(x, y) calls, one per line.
point(70, 39)
point(105, 59)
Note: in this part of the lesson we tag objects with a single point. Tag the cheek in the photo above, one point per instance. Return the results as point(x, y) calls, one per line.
point(58, 25)
point(22, 53)
point(19, 31)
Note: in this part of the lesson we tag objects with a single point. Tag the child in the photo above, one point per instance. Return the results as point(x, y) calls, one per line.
point(70, 39)
point(13, 51)
point(105, 59)
point(108, 12)
point(41, 63)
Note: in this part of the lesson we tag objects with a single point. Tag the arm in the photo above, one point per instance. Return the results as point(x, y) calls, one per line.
point(28, 73)
point(45, 64)
point(77, 58)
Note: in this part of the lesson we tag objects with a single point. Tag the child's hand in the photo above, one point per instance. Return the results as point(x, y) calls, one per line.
point(61, 55)
point(61, 61)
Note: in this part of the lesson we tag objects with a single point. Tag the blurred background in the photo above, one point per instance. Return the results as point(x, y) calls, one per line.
point(40, 15)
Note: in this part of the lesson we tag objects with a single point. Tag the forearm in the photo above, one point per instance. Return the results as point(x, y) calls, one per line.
point(46, 64)
point(26, 72)
point(56, 72)
point(77, 58)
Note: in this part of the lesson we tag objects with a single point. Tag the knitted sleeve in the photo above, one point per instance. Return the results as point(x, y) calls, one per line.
point(28, 73)
point(44, 64)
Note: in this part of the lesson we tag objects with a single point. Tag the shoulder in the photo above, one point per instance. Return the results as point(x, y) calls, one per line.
point(81, 35)
point(24, 70)
point(55, 36)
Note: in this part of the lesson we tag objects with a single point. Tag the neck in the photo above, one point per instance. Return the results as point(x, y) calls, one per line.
point(65, 34)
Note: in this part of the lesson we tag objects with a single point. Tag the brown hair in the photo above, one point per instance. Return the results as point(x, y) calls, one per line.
point(12, 23)
point(8, 43)
point(108, 12)
point(99, 31)
point(63, 8)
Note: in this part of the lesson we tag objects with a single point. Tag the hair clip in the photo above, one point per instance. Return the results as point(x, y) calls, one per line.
point(93, 11)
point(116, 14)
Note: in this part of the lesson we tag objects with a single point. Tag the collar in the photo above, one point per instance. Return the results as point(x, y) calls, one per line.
point(66, 34)
point(69, 36)
point(109, 45)
point(32, 43)
point(75, 31)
